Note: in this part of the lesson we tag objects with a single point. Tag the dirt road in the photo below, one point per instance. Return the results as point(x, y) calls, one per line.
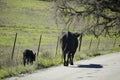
point(105, 67)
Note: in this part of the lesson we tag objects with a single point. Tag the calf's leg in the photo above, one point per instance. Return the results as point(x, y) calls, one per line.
point(24, 61)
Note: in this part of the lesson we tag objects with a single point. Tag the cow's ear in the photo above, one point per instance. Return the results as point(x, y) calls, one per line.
point(77, 34)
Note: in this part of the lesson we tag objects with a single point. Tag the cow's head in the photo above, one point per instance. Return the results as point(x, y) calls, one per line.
point(76, 34)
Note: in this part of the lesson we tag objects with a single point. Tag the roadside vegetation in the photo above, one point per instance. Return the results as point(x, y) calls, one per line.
point(30, 19)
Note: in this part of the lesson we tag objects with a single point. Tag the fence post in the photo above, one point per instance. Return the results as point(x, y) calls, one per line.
point(114, 42)
point(14, 46)
point(57, 46)
point(39, 45)
point(90, 44)
point(80, 41)
point(98, 43)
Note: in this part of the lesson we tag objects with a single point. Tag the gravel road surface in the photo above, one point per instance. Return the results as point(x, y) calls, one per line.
point(105, 67)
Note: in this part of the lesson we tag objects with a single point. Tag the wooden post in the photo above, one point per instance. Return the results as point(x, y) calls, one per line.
point(98, 43)
point(14, 46)
point(80, 42)
point(57, 46)
point(90, 44)
point(39, 45)
point(114, 42)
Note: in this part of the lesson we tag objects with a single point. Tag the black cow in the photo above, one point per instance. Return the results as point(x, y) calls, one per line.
point(28, 57)
point(69, 44)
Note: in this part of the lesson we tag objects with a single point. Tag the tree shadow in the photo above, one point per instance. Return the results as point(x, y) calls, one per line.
point(90, 66)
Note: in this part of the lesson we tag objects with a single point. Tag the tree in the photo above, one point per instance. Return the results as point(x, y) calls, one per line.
point(103, 15)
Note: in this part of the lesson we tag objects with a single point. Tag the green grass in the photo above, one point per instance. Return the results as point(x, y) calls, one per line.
point(12, 71)
point(30, 19)
point(24, 13)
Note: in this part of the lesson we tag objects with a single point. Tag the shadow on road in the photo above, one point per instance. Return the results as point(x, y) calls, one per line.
point(88, 66)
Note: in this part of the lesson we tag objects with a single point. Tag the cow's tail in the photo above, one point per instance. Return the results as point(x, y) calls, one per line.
point(80, 43)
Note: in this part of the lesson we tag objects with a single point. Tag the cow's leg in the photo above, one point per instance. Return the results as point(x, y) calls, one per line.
point(71, 59)
point(65, 63)
point(68, 59)
point(64, 58)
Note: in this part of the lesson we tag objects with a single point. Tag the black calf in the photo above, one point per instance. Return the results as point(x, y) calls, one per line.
point(28, 57)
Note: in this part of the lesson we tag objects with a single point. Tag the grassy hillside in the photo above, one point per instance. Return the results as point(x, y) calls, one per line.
point(25, 13)
point(29, 19)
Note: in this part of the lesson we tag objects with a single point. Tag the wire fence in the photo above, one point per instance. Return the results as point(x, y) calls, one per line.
point(13, 46)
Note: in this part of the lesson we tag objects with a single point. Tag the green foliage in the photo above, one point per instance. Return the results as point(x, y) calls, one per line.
point(114, 50)
point(24, 13)
point(46, 0)
point(102, 15)
point(47, 59)
point(12, 71)
point(30, 19)
point(3, 73)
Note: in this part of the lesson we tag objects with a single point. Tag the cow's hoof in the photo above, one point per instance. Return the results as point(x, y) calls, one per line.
point(71, 63)
point(65, 64)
